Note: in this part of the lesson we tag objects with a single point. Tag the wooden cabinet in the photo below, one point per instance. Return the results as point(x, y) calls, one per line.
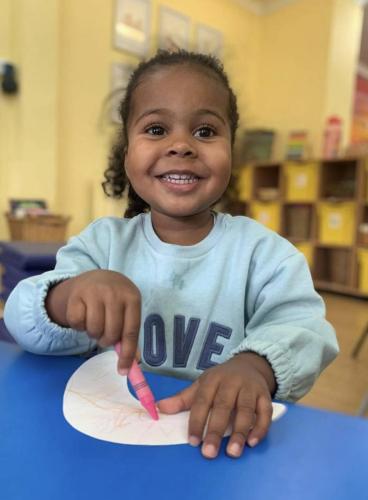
point(321, 206)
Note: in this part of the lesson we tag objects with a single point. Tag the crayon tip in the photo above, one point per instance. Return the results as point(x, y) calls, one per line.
point(151, 408)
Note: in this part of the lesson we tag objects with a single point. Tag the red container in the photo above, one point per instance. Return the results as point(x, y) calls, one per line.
point(332, 137)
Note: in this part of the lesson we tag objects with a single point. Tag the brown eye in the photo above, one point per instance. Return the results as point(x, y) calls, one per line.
point(204, 132)
point(155, 130)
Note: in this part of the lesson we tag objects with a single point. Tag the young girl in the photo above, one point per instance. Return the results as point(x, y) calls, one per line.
point(204, 295)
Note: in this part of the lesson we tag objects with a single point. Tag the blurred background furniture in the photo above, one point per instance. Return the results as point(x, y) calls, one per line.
point(20, 260)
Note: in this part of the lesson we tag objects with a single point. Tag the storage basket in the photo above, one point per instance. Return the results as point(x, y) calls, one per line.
point(307, 250)
point(244, 183)
point(268, 213)
point(301, 181)
point(336, 223)
point(38, 228)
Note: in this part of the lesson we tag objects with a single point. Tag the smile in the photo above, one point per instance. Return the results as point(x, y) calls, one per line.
point(179, 178)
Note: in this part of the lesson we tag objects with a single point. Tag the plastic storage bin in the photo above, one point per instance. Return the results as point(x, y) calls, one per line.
point(336, 223)
point(363, 270)
point(244, 183)
point(268, 213)
point(306, 249)
point(301, 181)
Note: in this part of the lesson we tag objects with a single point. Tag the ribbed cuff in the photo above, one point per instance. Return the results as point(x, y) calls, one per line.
point(279, 360)
point(63, 337)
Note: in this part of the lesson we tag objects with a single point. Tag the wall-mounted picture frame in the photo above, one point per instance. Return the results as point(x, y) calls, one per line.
point(132, 26)
point(120, 74)
point(208, 40)
point(174, 30)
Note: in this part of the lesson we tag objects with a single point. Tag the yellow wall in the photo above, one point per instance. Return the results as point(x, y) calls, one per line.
point(289, 68)
point(56, 145)
point(342, 62)
point(29, 121)
point(86, 57)
point(309, 52)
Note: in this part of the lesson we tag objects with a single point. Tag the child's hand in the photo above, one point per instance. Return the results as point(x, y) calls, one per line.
point(106, 304)
point(238, 392)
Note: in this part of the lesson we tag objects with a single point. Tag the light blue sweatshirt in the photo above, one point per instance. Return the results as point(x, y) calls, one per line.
point(242, 288)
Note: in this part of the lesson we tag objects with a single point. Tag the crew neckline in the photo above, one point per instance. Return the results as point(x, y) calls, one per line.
point(195, 250)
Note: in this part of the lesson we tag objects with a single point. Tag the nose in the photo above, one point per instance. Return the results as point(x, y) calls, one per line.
point(181, 149)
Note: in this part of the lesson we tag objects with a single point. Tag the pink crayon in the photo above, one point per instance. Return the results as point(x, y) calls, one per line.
point(141, 388)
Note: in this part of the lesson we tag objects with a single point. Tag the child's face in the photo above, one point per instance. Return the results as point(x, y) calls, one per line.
point(179, 144)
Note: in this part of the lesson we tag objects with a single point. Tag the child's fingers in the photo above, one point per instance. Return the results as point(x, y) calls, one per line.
point(76, 315)
point(129, 341)
point(243, 422)
point(201, 407)
point(117, 347)
point(263, 420)
point(95, 318)
point(180, 402)
point(223, 405)
point(114, 321)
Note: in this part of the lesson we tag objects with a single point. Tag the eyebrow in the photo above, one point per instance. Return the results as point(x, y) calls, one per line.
point(169, 112)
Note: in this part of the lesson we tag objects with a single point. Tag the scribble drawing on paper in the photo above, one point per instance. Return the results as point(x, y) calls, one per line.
point(97, 402)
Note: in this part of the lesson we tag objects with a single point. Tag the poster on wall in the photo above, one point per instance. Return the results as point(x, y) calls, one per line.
point(120, 74)
point(174, 30)
point(359, 130)
point(208, 40)
point(132, 26)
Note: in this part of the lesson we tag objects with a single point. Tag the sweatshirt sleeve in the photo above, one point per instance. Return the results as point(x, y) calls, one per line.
point(287, 326)
point(25, 314)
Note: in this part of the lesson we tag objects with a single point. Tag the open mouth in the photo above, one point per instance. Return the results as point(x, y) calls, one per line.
point(179, 178)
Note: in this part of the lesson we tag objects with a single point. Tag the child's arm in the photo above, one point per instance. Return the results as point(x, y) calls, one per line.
point(47, 332)
point(105, 304)
point(287, 326)
point(287, 344)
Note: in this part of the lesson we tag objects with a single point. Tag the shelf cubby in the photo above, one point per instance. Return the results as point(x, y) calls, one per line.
point(267, 182)
point(339, 179)
point(298, 221)
point(321, 206)
point(333, 265)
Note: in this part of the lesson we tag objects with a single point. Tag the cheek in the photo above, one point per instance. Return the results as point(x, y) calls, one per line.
point(224, 161)
point(131, 163)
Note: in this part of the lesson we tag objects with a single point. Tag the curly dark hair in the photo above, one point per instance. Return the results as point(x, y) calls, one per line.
point(116, 180)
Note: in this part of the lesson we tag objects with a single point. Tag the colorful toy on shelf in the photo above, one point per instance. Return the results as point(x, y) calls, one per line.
point(297, 145)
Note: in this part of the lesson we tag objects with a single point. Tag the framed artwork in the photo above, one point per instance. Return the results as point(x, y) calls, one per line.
point(132, 25)
point(174, 30)
point(208, 40)
point(120, 74)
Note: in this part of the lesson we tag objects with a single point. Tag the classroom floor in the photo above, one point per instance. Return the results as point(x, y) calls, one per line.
point(343, 385)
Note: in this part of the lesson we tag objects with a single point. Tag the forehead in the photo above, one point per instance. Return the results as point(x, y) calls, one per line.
point(182, 87)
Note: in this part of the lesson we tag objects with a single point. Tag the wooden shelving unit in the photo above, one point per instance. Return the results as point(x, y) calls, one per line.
point(321, 206)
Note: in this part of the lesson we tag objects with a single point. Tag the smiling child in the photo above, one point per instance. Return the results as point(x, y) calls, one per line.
point(204, 295)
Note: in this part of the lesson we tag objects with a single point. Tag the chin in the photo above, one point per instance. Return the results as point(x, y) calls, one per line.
point(176, 213)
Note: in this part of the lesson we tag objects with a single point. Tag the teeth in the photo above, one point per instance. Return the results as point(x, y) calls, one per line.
point(180, 178)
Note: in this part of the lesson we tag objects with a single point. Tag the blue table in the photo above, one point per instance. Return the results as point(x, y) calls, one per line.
point(308, 454)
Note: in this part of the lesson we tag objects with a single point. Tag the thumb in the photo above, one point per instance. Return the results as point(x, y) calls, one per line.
point(180, 402)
